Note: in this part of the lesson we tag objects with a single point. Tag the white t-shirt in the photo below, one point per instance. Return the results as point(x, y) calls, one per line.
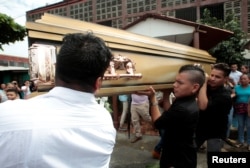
point(26, 90)
point(235, 76)
point(61, 129)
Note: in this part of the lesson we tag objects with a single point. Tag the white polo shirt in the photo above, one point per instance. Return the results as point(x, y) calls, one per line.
point(61, 129)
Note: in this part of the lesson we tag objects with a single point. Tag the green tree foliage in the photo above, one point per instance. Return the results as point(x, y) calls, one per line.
point(230, 50)
point(10, 31)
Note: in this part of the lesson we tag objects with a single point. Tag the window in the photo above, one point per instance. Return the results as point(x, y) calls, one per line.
point(184, 1)
point(153, 7)
point(177, 2)
point(141, 9)
point(3, 62)
point(11, 63)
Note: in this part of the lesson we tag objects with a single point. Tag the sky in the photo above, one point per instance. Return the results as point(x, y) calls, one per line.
point(17, 10)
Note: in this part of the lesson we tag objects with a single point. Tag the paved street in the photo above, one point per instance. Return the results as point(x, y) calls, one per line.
point(138, 155)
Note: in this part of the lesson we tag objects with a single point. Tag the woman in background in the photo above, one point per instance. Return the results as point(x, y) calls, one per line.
point(241, 107)
point(244, 69)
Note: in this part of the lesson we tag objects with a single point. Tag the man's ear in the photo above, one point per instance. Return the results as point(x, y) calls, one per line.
point(98, 84)
point(196, 87)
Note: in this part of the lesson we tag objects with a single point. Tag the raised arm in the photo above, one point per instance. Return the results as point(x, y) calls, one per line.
point(202, 96)
point(155, 112)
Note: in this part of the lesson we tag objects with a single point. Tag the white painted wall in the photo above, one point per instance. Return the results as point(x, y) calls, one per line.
point(247, 54)
point(158, 28)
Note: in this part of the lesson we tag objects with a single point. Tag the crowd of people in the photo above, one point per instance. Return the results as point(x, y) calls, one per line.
point(12, 90)
point(66, 127)
point(227, 85)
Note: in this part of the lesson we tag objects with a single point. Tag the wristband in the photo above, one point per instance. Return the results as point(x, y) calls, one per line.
point(153, 103)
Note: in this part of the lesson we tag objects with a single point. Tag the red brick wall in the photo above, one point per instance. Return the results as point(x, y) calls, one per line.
point(13, 58)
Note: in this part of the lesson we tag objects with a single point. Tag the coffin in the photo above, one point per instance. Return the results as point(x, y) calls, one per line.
point(139, 61)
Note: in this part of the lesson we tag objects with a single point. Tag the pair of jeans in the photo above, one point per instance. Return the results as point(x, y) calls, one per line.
point(159, 145)
point(230, 120)
point(124, 112)
point(214, 145)
point(243, 122)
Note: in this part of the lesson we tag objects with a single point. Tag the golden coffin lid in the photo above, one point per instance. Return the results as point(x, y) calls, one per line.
point(155, 61)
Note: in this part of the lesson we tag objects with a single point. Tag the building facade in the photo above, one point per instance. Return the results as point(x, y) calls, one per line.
point(13, 68)
point(119, 13)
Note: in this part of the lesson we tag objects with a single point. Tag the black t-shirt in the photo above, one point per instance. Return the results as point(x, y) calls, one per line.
point(213, 122)
point(179, 124)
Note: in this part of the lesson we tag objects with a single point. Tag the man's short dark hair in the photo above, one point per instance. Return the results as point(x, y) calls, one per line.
point(12, 90)
point(222, 67)
point(197, 73)
point(82, 59)
point(233, 63)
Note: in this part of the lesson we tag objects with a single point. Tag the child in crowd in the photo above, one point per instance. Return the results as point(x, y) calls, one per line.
point(12, 94)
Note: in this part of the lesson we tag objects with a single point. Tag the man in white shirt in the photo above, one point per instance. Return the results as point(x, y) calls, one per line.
point(234, 78)
point(65, 128)
point(235, 74)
